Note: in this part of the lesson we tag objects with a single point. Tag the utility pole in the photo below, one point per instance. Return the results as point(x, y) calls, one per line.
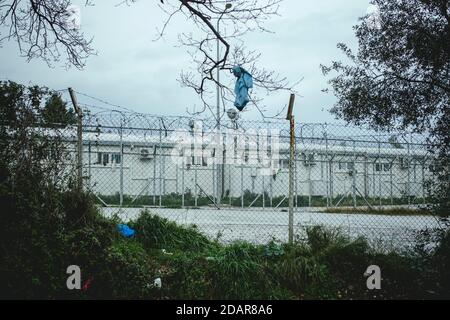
point(79, 140)
point(219, 165)
point(220, 174)
point(290, 117)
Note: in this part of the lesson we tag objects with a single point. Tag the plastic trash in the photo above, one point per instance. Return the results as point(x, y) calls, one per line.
point(167, 253)
point(243, 83)
point(157, 283)
point(125, 230)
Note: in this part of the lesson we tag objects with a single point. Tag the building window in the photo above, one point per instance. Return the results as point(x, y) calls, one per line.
point(105, 158)
point(377, 167)
point(382, 167)
point(99, 158)
point(284, 163)
point(345, 165)
point(196, 161)
point(116, 158)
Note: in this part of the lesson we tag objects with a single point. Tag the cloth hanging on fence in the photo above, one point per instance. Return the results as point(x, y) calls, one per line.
point(243, 83)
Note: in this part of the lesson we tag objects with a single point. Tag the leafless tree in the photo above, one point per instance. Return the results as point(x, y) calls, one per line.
point(224, 23)
point(42, 29)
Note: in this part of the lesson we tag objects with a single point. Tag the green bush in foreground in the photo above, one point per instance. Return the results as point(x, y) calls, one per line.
point(155, 232)
point(326, 265)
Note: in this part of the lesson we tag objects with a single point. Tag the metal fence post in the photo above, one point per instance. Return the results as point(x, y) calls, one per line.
point(309, 186)
point(409, 171)
point(391, 191)
point(296, 178)
point(327, 177)
point(195, 184)
point(79, 139)
point(290, 117)
point(90, 165)
point(291, 181)
point(242, 186)
point(121, 162)
point(183, 158)
point(423, 181)
point(229, 183)
point(215, 187)
point(330, 177)
point(379, 173)
point(154, 175)
point(160, 166)
point(354, 175)
point(263, 192)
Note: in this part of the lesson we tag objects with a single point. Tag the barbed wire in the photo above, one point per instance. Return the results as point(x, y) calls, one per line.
point(106, 114)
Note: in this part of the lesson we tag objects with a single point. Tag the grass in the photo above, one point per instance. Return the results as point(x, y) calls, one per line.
point(155, 232)
point(327, 265)
point(324, 265)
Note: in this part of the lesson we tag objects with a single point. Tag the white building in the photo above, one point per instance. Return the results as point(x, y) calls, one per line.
point(139, 165)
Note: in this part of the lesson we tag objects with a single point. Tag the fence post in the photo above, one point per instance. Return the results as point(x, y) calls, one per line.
point(79, 140)
point(229, 183)
point(354, 175)
point(160, 166)
point(327, 178)
point(195, 184)
point(391, 191)
point(309, 185)
point(183, 158)
point(379, 172)
point(409, 171)
point(90, 166)
point(290, 117)
point(121, 161)
point(366, 177)
point(215, 187)
point(242, 186)
point(263, 192)
point(423, 181)
point(154, 174)
point(330, 178)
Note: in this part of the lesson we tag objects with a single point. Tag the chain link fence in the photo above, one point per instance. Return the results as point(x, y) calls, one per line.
point(233, 182)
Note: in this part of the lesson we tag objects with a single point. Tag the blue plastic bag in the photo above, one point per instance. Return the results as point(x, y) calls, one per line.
point(243, 83)
point(125, 230)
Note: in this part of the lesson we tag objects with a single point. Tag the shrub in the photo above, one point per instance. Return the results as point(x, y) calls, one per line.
point(156, 232)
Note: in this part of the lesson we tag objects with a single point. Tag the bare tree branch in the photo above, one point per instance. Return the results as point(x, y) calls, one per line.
point(223, 25)
point(42, 29)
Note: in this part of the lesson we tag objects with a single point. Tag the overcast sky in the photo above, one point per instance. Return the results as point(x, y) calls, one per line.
point(134, 71)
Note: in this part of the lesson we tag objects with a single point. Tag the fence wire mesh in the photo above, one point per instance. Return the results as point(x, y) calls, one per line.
point(232, 182)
